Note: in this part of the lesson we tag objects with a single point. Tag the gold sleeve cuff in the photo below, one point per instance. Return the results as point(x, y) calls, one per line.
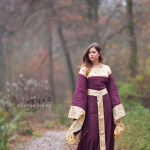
point(118, 113)
point(78, 113)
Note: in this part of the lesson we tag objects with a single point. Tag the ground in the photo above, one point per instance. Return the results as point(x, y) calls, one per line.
point(50, 140)
point(44, 138)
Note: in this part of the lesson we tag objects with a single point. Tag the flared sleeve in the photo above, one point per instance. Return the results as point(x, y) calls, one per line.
point(77, 109)
point(117, 107)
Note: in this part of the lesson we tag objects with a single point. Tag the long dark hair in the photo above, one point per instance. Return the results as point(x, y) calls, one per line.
point(87, 62)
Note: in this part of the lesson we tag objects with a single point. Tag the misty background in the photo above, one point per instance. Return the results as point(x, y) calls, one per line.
point(41, 44)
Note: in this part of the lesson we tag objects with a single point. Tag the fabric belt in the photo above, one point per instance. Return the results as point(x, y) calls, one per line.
point(99, 94)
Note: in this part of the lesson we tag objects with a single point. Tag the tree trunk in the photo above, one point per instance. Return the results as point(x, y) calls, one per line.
point(92, 14)
point(132, 39)
point(72, 78)
point(53, 96)
point(2, 65)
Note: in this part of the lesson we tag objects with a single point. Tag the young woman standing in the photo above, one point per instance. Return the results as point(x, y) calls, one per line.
point(96, 108)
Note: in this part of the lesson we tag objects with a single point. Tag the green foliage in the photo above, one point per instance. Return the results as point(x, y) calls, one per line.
point(3, 133)
point(137, 129)
point(129, 96)
point(50, 123)
point(26, 131)
point(60, 116)
point(136, 90)
point(6, 127)
point(135, 96)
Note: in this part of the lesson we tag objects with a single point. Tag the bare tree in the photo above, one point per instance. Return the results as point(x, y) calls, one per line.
point(131, 38)
point(51, 73)
point(2, 62)
point(68, 59)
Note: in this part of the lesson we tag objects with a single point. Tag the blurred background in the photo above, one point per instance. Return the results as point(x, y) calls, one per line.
point(41, 44)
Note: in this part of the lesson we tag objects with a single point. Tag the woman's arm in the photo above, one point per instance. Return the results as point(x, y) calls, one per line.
point(78, 109)
point(117, 107)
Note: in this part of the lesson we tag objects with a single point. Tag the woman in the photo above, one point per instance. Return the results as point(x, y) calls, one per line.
point(96, 109)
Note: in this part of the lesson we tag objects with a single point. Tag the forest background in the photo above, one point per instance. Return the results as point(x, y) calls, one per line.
point(43, 41)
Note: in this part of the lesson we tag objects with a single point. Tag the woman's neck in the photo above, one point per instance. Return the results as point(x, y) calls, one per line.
point(97, 65)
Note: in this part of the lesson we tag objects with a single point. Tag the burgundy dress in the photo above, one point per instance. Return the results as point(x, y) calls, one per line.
point(96, 111)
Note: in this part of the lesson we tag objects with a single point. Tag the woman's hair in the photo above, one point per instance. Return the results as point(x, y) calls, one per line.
point(87, 62)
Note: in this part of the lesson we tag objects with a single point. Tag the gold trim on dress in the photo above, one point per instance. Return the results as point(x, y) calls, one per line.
point(101, 121)
point(118, 113)
point(78, 113)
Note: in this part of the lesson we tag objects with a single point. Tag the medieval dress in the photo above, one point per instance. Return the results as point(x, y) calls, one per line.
point(96, 111)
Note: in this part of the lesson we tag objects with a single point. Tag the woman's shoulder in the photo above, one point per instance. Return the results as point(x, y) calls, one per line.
point(82, 70)
point(108, 68)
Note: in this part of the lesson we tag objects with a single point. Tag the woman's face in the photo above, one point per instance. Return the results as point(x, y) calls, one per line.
point(93, 54)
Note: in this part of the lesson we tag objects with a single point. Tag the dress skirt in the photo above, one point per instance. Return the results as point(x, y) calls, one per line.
point(90, 139)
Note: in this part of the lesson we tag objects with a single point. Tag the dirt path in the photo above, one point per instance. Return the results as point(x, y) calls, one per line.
point(51, 140)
